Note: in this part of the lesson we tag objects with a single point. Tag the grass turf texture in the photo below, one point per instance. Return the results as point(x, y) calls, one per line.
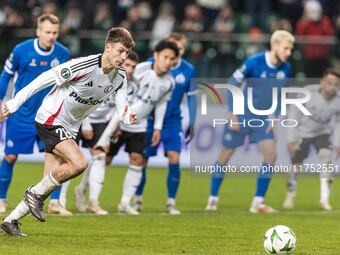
point(230, 230)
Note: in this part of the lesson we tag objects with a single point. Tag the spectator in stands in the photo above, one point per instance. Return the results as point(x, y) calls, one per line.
point(134, 21)
point(314, 23)
point(290, 10)
point(165, 21)
point(224, 24)
point(50, 7)
point(282, 24)
point(193, 20)
point(14, 18)
point(102, 20)
point(258, 9)
point(72, 21)
point(145, 11)
point(225, 21)
point(138, 19)
point(71, 24)
point(210, 9)
point(336, 56)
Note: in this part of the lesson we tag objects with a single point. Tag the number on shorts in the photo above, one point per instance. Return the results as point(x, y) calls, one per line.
point(63, 134)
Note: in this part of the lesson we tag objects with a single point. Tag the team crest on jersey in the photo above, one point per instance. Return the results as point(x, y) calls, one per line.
point(280, 75)
point(65, 73)
point(108, 89)
point(10, 143)
point(33, 62)
point(55, 62)
point(180, 78)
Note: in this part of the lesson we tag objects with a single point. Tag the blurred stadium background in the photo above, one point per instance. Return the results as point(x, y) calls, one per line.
point(221, 33)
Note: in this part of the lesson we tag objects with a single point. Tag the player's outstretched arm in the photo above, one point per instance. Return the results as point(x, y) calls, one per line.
point(44, 80)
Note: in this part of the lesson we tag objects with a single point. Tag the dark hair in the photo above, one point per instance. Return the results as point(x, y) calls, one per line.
point(133, 56)
point(50, 17)
point(176, 36)
point(165, 44)
point(330, 71)
point(121, 35)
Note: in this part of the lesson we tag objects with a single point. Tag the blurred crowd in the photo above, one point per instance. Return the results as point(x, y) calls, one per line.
point(252, 17)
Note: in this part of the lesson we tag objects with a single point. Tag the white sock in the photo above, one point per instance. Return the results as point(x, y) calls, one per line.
point(131, 182)
point(257, 200)
point(19, 212)
point(291, 193)
point(46, 186)
point(84, 183)
point(63, 192)
point(97, 175)
point(213, 199)
point(171, 201)
point(138, 198)
point(292, 180)
point(325, 189)
point(53, 201)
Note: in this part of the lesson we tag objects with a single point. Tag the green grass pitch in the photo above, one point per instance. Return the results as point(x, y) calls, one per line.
point(231, 230)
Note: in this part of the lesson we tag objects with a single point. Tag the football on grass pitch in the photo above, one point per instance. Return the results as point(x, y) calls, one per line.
point(279, 240)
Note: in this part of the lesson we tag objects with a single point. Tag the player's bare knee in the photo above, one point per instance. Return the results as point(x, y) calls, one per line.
point(136, 159)
point(108, 160)
point(11, 158)
point(270, 157)
point(80, 166)
point(173, 157)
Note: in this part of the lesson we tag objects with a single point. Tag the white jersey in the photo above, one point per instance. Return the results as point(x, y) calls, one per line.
point(131, 90)
point(323, 112)
point(80, 87)
point(153, 94)
point(105, 111)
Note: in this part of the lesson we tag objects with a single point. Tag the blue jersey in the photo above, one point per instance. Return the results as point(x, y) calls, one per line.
point(258, 73)
point(182, 73)
point(26, 62)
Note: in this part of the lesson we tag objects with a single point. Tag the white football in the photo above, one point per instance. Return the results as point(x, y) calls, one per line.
point(279, 240)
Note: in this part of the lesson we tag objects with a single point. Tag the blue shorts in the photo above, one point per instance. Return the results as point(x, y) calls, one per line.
point(232, 139)
point(170, 137)
point(20, 137)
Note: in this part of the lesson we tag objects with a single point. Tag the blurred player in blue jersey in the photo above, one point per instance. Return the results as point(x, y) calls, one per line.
point(182, 72)
point(261, 72)
point(26, 62)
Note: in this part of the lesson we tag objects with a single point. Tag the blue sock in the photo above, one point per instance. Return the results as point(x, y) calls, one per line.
point(174, 176)
point(140, 188)
point(216, 180)
point(56, 193)
point(6, 173)
point(263, 179)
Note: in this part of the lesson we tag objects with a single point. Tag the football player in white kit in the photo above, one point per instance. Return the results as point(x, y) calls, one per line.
point(80, 86)
point(316, 129)
point(155, 88)
point(92, 128)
